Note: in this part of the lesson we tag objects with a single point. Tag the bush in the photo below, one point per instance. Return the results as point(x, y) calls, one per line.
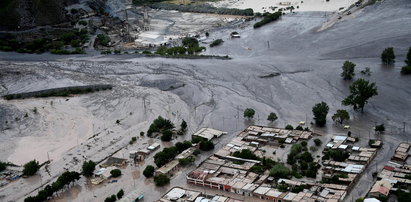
point(161, 180)
point(267, 19)
point(111, 198)
point(197, 152)
point(31, 168)
point(317, 142)
point(216, 42)
point(289, 127)
point(388, 56)
point(88, 168)
point(299, 127)
point(120, 194)
point(141, 133)
point(148, 171)
point(115, 173)
point(206, 145)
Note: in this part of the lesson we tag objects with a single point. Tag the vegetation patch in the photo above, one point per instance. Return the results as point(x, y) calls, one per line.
point(59, 92)
point(202, 9)
point(267, 19)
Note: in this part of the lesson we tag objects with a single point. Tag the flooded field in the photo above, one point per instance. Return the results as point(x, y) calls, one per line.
point(211, 93)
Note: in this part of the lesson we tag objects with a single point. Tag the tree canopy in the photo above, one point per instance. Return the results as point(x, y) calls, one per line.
point(348, 70)
point(88, 168)
point(340, 116)
point(115, 173)
point(272, 117)
point(388, 56)
point(249, 113)
point(148, 171)
point(206, 145)
point(160, 124)
point(280, 171)
point(320, 112)
point(161, 180)
point(361, 90)
point(31, 168)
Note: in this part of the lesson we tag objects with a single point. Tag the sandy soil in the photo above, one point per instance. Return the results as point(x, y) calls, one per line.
point(214, 94)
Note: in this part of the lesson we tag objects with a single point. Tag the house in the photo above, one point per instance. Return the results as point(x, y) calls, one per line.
point(168, 168)
point(381, 188)
point(114, 161)
point(208, 133)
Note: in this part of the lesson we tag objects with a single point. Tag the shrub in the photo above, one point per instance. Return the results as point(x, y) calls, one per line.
point(148, 171)
point(31, 168)
point(161, 180)
point(115, 173)
point(103, 39)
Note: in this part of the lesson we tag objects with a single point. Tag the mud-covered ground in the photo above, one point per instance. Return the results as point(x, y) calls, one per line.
point(205, 93)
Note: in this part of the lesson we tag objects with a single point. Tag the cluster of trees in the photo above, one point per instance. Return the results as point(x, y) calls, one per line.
point(159, 125)
point(266, 164)
point(336, 155)
point(302, 161)
point(63, 180)
point(216, 42)
point(190, 46)
point(246, 154)
point(407, 68)
point(75, 38)
point(114, 197)
point(280, 171)
point(203, 8)
point(31, 168)
point(268, 18)
point(168, 154)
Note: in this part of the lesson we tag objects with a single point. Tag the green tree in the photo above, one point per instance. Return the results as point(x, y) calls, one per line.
point(280, 171)
point(249, 113)
point(148, 171)
point(272, 117)
point(120, 194)
point(361, 90)
point(167, 135)
point(359, 200)
point(206, 145)
point(348, 70)
point(31, 168)
point(88, 168)
point(388, 56)
point(161, 180)
point(320, 112)
point(289, 127)
point(317, 142)
point(379, 128)
point(115, 173)
point(186, 161)
point(340, 116)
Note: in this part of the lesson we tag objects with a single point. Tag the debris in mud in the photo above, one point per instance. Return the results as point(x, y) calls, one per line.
point(270, 75)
